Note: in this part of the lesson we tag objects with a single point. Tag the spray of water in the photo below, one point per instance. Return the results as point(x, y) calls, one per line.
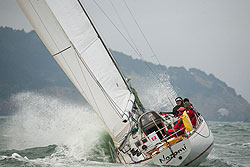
point(153, 93)
point(43, 120)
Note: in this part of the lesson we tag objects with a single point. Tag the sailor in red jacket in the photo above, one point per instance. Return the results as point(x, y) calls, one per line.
point(190, 113)
point(178, 125)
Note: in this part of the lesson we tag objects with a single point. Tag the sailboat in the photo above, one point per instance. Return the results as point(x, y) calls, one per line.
point(139, 136)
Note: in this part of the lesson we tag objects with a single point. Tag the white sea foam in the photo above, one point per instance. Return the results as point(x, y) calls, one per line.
point(43, 120)
point(3, 157)
point(19, 157)
point(14, 156)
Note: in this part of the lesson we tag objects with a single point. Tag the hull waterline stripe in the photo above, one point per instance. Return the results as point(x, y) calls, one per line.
point(199, 155)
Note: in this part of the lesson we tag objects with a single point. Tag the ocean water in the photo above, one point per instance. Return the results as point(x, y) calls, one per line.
point(47, 132)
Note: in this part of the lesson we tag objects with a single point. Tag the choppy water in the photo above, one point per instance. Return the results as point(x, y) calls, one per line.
point(48, 132)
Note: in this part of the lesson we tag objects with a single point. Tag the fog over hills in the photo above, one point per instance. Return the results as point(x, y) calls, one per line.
point(26, 65)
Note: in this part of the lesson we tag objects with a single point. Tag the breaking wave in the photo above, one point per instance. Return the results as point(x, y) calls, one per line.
point(42, 120)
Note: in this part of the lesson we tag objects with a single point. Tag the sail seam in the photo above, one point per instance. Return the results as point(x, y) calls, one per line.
point(110, 100)
point(90, 44)
point(61, 51)
point(78, 57)
point(72, 72)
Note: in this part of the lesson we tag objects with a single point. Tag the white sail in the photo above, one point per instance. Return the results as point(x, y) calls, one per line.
point(65, 29)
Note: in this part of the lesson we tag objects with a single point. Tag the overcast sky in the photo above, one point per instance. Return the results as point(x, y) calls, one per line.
point(211, 35)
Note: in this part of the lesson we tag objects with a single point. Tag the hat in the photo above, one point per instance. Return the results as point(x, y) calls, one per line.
point(181, 109)
point(178, 98)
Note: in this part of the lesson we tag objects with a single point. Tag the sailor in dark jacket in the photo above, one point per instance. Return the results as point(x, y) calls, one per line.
point(179, 103)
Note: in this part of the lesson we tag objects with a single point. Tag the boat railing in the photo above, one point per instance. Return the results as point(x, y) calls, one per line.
point(166, 141)
point(173, 138)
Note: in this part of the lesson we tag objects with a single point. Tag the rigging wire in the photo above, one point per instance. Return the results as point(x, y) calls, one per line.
point(125, 28)
point(136, 50)
point(105, 14)
point(145, 38)
point(123, 25)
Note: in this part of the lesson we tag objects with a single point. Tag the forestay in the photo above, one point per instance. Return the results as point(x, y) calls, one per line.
point(65, 29)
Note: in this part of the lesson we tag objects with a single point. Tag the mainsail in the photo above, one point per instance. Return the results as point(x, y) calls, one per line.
point(73, 41)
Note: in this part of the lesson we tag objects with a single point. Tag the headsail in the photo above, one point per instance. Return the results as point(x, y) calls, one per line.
point(65, 29)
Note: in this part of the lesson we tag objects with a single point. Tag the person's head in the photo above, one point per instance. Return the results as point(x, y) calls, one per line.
point(178, 101)
point(186, 100)
point(187, 105)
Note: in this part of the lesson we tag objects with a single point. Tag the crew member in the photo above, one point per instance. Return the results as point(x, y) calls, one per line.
point(178, 125)
point(195, 111)
point(190, 113)
point(179, 103)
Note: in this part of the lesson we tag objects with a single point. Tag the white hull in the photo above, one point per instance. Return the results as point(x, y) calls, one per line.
point(201, 143)
point(191, 151)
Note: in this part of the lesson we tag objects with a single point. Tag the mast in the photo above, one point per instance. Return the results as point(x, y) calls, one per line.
point(73, 41)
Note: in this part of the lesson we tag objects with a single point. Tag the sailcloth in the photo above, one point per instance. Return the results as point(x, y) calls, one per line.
point(73, 41)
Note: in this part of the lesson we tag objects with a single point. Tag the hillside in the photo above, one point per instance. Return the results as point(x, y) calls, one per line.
point(26, 65)
point(211, 96)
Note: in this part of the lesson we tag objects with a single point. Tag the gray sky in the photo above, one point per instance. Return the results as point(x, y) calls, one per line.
point(212, 35)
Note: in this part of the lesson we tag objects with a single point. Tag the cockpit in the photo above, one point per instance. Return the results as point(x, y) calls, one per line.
point(152, 122)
